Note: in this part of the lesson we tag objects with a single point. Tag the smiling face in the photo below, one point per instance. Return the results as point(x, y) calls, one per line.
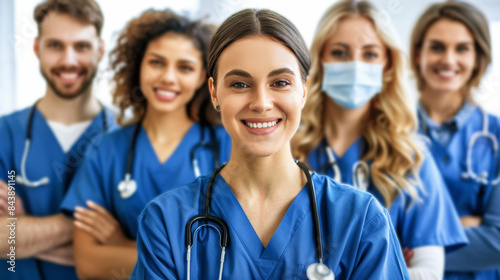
point(69, 52)
point(447, 58)
point(261, 94)
point(354, 38)
point(171, 71)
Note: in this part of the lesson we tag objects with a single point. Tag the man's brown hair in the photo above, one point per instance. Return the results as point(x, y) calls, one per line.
point(87, 11)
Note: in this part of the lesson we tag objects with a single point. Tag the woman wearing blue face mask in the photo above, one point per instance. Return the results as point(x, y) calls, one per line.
point(357, 128)
point(451, 50)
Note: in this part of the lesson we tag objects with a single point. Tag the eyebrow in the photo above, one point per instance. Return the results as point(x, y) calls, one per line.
point(349, 47)
point(436, 41)
point(238, 72)
point(163, 58)
point(52, 40)
point(280, 71)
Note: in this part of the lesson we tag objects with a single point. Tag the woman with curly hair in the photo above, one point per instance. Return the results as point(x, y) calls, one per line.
point(159, 68)
point(359, 129)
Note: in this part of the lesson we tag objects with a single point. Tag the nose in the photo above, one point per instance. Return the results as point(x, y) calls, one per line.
point(70, 57)
point(169, 75)
point(449, 57)
point(261, 100)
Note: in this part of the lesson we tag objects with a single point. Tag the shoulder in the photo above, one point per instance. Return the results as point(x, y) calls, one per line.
point(494, 124)
point(15, 119)
point(176, 204)
point(345, 198)
point(117, 140)
point(111, 119)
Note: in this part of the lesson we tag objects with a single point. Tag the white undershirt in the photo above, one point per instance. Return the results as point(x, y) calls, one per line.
point(427, 263)
point(67, 135)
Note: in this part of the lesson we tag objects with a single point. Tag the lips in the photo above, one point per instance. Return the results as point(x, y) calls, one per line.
point(68, 77)
point(261, 126)
point(445, 74)
point(164, 94)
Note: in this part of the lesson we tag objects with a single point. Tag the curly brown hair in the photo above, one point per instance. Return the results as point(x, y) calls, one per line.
point(127, 56)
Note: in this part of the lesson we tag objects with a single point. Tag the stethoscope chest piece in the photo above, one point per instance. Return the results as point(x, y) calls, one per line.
point(319, 271)
point(127, 187)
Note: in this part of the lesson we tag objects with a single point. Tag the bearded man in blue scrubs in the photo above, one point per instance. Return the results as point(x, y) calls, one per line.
point(63, 127)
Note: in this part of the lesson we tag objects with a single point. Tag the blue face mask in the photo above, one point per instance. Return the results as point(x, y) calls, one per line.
point(352, 84)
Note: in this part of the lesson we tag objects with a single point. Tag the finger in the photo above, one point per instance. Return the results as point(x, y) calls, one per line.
point(89, 230)
point(3, 194)
point(3, 185)
point(409, 256)
point(96, 207)
point(92, 219)
point(4, 207)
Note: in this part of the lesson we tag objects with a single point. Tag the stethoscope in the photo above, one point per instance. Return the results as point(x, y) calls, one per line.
point(22, 178)
point(315, 271)
point(469, 172)
point(128, 186)
point(360, 170)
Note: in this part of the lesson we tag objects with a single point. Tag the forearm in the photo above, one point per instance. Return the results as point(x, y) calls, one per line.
point(483, 251)
point(97, 261)
point(35, 235)
point(61, 255)
point(427, 263)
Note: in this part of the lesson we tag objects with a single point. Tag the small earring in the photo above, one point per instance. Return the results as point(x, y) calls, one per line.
point(217, 108)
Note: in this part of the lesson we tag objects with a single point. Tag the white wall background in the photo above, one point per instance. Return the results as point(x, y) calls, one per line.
point(21, 83)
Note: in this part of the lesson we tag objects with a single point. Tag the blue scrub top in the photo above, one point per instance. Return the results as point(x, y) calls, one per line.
point(100, 175)
point(472, 198)
point(432, 222)
point(358, 239)
point(45, 158)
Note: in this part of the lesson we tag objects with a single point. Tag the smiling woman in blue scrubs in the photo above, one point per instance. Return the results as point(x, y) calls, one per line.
point(357, 128)
point(159, 65)
point(451, 50)
point(258, 65)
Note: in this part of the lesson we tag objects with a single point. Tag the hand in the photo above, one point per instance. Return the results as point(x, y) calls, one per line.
point(4, 201)
point(471, 221)
point(407, 254)
point(61, 255)
point(99, 223)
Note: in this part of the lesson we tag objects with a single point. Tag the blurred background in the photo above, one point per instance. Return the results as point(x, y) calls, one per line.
point(21, 83)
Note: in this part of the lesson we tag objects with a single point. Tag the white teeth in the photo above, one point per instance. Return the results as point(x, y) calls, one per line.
point(68, 76)
point(261, 125)
point(165, 93)
point(447, 73)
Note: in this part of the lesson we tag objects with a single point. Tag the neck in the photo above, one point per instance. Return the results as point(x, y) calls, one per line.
point(68, 111)
point(164, 127)
point(441, 106)
point(263, 177)
point(343, 126)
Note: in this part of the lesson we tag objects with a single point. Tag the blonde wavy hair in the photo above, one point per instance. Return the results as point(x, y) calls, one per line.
point(389, 129)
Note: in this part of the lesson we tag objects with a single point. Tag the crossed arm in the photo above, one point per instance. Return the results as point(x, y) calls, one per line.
point(47, 238)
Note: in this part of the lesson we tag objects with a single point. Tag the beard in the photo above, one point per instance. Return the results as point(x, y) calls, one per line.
point(79, 91)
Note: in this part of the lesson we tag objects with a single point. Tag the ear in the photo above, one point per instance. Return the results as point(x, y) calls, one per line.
point(203, 79)
point(304, 94)
point(101, 49)
point(213, 92)
point(36, 47)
